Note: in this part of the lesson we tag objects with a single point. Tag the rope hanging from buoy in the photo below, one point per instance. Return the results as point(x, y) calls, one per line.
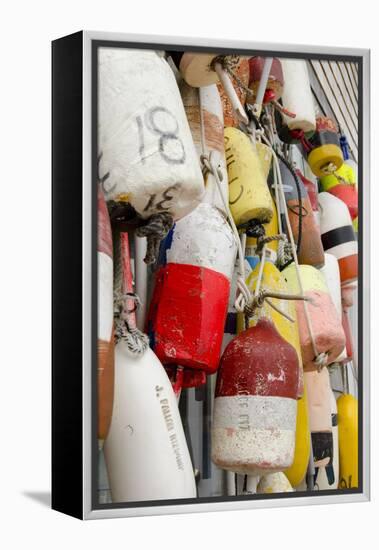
point(136, 341)
point(155, 229)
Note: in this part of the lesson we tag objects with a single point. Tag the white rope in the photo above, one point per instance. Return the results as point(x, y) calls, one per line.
point(137, 342)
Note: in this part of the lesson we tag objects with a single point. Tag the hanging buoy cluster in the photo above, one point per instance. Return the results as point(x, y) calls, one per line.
point(246, 266)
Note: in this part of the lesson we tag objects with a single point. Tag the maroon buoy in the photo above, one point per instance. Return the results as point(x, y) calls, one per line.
point(254, 420)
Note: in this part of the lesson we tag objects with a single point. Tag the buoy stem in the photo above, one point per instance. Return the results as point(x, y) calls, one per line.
point(231, 93)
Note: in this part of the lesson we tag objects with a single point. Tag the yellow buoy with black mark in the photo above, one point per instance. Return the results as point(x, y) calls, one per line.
point(271, 251)
point(273, 280)
point(326, 156)
point(296, 473)
point(347, 410)
point(249, 195)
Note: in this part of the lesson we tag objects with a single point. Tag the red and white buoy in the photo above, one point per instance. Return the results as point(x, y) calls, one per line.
point(192, 284)
point(105, 345)
point(254, 417)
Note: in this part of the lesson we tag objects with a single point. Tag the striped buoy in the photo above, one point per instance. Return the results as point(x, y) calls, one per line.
point(297, 471)
point(254, 417)
point(297, 98)
point(190, 298)
point(327, 476)
point(274, 483)
point(241, 70)
point(320, 416)
point(326, 327)
point(311, 251)
point(105, 342)
point(347, 406)
point(146, 153)
point(274, 87)
point(249, 196)
point(338, 236)
point(325, 157)
point(273, 280)
point(205, 117)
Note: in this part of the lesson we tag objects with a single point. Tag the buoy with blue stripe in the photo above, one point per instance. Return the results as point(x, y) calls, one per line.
point(146, 153)
point(254, 415)
point(105, 342)
point(337, 235)
point(145, 451)
point(325, 156)
point(326, 327)
point(192, 284)
point(311, 251)
point(249, 196)
point(297, 98)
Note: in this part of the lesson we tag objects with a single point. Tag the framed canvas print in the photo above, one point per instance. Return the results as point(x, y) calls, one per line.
point(210, 275)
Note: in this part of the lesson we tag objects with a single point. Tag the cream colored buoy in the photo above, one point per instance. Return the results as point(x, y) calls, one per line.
point(146, 154)
point(297, 96)
point(326, 327)
point(320, 416)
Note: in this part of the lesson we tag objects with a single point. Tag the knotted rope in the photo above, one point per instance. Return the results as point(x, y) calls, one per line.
point(137, 342)
point(155, 229)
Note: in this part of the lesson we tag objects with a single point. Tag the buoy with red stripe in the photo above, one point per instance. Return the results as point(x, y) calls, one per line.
point(202, 69)
point(311, 251)
point(105, 342)
point(241, 70)
point(204, 113)
point(327, 330)
point(325, 156)
point(327, 476)
point(320, 416)
point(249, 196)
point(146, 154)
point(274, 87)
point(338, 236)
point(297, 98)
point(146, 452)
point(192, 284)
point(254, 416)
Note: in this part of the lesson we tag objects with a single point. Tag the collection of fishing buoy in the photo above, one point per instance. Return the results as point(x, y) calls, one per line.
point(219, 260)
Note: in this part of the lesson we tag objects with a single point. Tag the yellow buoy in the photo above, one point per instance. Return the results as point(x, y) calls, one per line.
point(249, 196)
point(347, 410)
point(320, 157)
point(345, 173)
point(271, 229)
point(274, 483)
point(273, 280)
point(296, 473)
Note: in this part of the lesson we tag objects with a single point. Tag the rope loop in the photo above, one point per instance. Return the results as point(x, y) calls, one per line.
point(136, 341)
point(155, 229)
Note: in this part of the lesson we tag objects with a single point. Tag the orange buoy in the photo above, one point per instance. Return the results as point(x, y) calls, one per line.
point(241, 70)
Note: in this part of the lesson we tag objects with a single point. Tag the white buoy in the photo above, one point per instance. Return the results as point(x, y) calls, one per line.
point(146, 452)
point(297, 96)
point(146, 154)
